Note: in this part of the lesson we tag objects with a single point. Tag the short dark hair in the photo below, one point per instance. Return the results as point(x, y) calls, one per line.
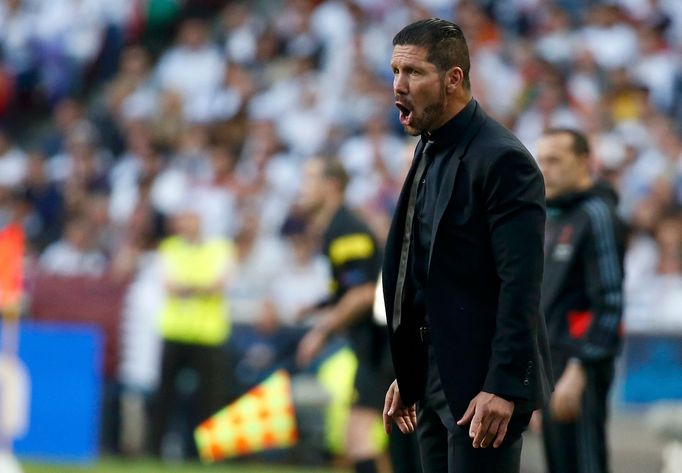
point(579, 143)
point(334, 170)
point(444, 42)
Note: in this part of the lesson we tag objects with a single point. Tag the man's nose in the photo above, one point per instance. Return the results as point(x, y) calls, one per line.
point(400, 85)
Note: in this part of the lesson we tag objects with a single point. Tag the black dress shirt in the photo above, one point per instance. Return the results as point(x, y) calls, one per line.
point(444, 140)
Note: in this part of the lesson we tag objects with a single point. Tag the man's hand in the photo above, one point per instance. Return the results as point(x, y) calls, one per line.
point(267, 321)
point(535, 424)
point(489, 417)
point(568, 393)
point(405, 417)
point(310, 345)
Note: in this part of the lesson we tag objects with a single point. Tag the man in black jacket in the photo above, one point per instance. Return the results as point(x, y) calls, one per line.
point(582, 298)
point(463, 268)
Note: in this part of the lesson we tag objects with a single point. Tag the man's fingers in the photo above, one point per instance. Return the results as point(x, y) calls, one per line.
point(395, 401)
point(388, 400)
point(402, 425)
point(410, 419)
point(490, 433)
point(481, 429)
point(475, 424)
point(468, 414)
point(408, 423)
point(387, 424)
point(501, 433)
point(387, 406)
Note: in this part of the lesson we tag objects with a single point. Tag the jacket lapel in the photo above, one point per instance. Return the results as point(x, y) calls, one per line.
point(395, 234)
point(450, 172)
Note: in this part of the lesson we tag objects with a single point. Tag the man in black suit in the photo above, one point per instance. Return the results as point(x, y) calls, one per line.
point(463, 268)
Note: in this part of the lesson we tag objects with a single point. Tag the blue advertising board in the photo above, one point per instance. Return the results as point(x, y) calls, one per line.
point(64, 363)
point(652, 368)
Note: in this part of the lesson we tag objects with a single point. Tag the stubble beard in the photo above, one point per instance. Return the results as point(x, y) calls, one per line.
point(430, 116)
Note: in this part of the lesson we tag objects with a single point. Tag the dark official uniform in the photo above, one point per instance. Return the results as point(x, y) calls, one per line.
point(355, 258)
point(582, 297)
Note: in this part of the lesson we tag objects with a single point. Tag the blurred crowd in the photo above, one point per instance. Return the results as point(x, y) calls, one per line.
point(117, 116)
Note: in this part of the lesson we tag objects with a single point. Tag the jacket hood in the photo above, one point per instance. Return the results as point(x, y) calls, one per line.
point(601, 189)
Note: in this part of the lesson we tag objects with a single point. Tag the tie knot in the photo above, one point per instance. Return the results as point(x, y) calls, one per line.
point(428, 148)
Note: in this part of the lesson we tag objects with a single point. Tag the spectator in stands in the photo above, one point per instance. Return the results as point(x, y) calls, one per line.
point(82, 164)
point(371, 161)
point(74, 254)
point(16, 37)
point(68, 35)
point(260, 259)
point(129, 98)
point(134, 174)
point(47, 203)
point(66, 115)
point(241, 30)
point(216, 195)
point(193, 67)
point(303, 282)
point(269, 173)
point(654, 270)
point(13, 162)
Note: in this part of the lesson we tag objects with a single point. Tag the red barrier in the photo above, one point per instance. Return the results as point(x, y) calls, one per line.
point(81, 299)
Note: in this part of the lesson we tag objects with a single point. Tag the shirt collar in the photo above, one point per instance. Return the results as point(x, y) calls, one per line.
point(452, 130)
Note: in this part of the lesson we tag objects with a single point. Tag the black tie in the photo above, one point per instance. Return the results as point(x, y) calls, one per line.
point(407, 236)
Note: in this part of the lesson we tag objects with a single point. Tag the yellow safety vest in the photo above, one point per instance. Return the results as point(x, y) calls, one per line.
point(197, 319)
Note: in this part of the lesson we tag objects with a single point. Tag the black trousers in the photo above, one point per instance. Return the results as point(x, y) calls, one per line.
point(404, 452)
point(446, 448)
point(209, 364)
point(580, 446)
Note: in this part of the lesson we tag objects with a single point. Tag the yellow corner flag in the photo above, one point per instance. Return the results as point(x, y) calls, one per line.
point(261, 419)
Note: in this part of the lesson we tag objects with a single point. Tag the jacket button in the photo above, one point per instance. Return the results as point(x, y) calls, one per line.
point(526, 382)
point(530, 364)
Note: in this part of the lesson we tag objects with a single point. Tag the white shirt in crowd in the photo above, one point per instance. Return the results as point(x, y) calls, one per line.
point(12, 168)
point(62, 258)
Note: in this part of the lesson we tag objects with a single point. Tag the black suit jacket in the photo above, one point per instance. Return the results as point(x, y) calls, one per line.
point(484, 275)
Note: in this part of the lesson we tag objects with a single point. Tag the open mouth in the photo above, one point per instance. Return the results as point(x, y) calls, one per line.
point(405, 113)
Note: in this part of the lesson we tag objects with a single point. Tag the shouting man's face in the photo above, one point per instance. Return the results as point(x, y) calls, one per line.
point(418, 88)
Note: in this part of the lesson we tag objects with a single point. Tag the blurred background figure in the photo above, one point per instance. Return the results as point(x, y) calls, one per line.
point(194, 326)
point(355, 257)
point(582, 298)
point(75, 254)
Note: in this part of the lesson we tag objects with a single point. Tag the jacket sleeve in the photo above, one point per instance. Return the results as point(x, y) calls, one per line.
point(513, 192)
point(604, 285)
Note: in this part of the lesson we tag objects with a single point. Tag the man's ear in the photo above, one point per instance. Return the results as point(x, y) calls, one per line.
point(454, 79)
